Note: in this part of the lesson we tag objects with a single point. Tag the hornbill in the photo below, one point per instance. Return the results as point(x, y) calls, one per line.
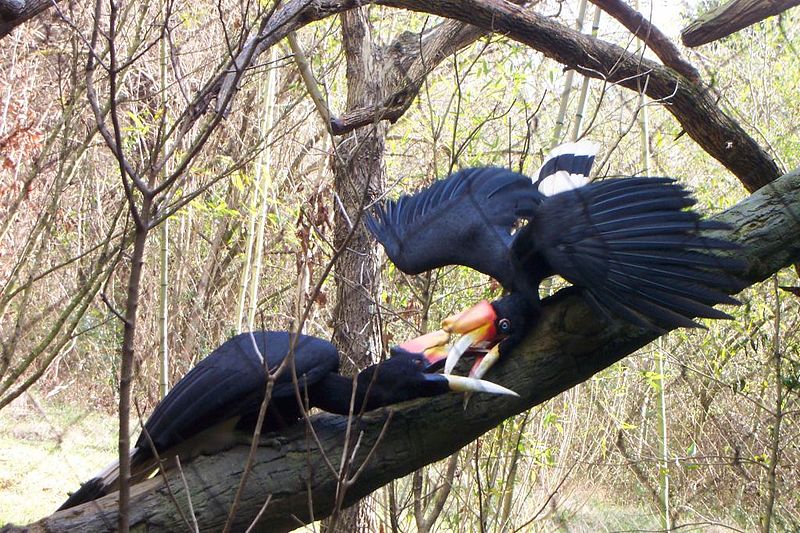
point(217, 403)
point(630, 245)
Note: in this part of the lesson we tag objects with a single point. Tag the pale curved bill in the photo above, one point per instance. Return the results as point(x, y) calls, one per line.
point(462, 345)
point(487, 362)
point(465, 384)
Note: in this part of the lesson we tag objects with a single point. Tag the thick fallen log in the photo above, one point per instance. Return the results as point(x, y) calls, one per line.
point(569, 346)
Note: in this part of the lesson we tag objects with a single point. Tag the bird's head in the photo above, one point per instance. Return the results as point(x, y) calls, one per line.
point(492, 327)
point(410, 373)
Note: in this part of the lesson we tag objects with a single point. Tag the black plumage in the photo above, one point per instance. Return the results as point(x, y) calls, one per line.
point(635, 249)
point(632, 245)
point(222, 395)
point(466, 219)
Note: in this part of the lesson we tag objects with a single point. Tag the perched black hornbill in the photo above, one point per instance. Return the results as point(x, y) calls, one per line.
point(217, 403)
point(630, 244)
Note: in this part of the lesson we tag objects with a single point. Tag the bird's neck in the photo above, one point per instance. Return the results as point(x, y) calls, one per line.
point(335, 394)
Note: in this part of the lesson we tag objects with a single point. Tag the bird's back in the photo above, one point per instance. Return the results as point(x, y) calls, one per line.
point(231, 382)
point(221, 394)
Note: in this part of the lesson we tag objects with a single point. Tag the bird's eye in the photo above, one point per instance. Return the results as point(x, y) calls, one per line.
point(504, 325)
point(418, 362)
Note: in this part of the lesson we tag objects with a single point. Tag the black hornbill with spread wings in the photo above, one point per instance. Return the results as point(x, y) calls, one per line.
point(217, 403)
point(631, 245)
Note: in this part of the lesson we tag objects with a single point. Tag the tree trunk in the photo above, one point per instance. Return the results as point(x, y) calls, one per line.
point(358, 179)
point(569, 345)
point(358, 168)
point(128, 353)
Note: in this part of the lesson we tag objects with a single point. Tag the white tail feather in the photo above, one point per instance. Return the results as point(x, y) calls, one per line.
point(558, 174)
point(582, 147)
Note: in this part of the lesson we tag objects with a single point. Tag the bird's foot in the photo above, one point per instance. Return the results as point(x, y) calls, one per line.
point(264, 441)
point(272, 441)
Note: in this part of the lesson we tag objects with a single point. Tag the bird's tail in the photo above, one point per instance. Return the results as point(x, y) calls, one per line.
point(566, 167)
point(651, 260)
point(107, 481)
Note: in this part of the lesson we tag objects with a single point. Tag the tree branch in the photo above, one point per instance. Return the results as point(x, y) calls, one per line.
point(640, 26)
point(691, 104)
point(568, 346)
point(15, 12)
point(287, 18)
point(309, 80)
point(731, 17)
point(413, 56)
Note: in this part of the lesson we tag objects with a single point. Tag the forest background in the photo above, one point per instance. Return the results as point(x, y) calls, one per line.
point(252, 203)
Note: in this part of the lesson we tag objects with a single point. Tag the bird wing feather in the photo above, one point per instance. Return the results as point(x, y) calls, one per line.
point(636, 249)
point(232, 379)
point(464, 219)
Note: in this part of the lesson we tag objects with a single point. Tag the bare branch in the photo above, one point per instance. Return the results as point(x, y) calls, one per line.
point(731, 17)
point(274, 27)
point(310, 81)
point(640, 26)
point(413, 57)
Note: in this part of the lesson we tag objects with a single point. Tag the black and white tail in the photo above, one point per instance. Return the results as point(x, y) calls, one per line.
point(566, 167)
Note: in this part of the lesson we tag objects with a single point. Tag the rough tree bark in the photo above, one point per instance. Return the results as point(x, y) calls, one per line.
point(731, 17)
point(15, 12)
point(358, 169)
point(359, 177)
point(411, 57)
point(569, 345)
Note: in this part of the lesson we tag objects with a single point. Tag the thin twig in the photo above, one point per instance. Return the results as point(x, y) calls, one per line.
point(258, 516)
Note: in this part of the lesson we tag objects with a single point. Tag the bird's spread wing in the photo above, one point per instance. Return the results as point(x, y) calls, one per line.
point(636, 249)
point(231, 382)
point(465, 219)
